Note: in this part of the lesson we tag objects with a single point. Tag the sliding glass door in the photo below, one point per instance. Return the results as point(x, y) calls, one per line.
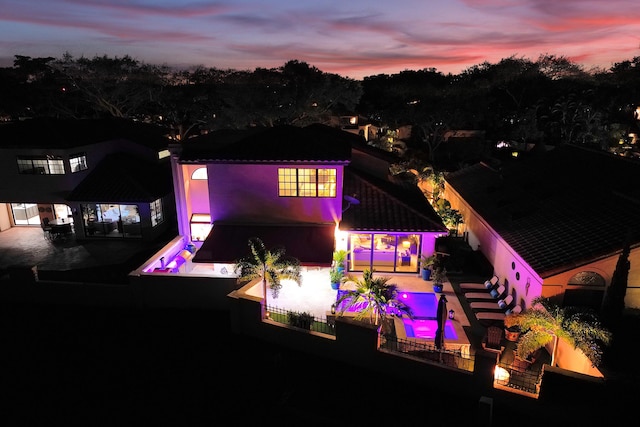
point(384, 252)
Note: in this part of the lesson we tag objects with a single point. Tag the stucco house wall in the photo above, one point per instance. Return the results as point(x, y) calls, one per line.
point(507, 262)
point(249, 193)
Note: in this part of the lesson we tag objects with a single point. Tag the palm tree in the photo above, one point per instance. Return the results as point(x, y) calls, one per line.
point(377, 297)
point(545, 321)
point(271, 266)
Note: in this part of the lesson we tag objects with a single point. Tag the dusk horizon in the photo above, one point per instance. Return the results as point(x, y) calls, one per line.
point(353, 40)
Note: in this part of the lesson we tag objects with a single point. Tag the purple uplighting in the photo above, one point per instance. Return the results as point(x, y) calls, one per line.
point(422, 304)
point(426, 329)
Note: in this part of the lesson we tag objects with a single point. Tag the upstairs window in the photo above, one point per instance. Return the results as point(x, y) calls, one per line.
point(157, 215)
point(78, 162)
point(199, 174)
point(294, 182)
point(45, 165)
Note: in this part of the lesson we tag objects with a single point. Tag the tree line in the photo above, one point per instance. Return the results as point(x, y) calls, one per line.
point(550, 100)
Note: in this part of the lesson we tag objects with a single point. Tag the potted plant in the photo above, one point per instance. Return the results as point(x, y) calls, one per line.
point(544, 322)
point(512, 333)
point(339, 258)
point(336, 276)
point(439, 275)
point(427, 264)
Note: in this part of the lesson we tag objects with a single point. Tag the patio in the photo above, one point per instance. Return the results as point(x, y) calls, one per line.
point(315, 296)
point(27, 247)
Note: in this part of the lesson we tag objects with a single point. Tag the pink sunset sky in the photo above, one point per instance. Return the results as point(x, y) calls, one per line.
point(352, 38)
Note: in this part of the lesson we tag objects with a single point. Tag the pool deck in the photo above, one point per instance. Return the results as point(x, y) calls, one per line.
point(315, 296)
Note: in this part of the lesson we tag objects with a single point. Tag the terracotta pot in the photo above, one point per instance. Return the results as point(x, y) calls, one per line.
point(511, 335)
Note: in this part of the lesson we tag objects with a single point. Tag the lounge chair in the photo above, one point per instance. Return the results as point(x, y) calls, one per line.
point(493, 315)
point(500, 305)
point(487, 285)
point(487, 295)
point(506, 302)
point(473, 287)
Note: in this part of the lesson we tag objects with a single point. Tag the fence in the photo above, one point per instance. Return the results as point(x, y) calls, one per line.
point(420, 350)
point(428, 352)
point(300, 320)
point(513, 376)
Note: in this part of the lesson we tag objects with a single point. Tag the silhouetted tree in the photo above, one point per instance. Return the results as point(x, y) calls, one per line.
point(613, 301)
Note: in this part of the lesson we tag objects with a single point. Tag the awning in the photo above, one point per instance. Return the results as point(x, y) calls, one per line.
point(310, 244)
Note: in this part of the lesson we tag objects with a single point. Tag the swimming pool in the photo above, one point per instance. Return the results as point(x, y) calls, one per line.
point(422, 304)
point(426, 329)
point(422, 328)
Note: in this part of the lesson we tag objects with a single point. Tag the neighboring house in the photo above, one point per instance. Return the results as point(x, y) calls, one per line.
point(106, 177)
point(293, 187)
point(553, 223)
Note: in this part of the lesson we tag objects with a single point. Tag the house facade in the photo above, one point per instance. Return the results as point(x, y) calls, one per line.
point(104, 177)
point(294, 188)
point(553, 224)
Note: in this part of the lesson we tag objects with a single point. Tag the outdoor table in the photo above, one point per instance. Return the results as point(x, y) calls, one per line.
point(60, 228)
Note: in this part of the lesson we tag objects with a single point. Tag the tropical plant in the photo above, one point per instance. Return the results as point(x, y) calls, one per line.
point(613, 301)
point(339, 257)
point(335, 275)
point(271, 266)
point(439, 275)
point(429, 261)
point(450, 217)
point(544, 321)
point(376, 296)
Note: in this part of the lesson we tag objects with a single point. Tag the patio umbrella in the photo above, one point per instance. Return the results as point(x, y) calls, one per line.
point(441, 315)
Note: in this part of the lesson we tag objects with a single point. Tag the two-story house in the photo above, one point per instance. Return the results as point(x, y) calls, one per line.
point(107, 178)
point(293, 187)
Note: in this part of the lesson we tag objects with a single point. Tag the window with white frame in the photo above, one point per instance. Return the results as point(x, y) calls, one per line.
point(78, 162)
point(200, 226)
point(303, 182)
point(45, 165)
point(157, 215)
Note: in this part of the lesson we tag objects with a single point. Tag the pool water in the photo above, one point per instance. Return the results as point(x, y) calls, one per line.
point(426, 328)
point(422, 304)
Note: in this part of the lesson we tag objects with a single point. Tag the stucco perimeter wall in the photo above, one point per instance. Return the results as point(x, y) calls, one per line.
point(356, 344)
point(572, 359)
point(152, 290)
point(175, 291)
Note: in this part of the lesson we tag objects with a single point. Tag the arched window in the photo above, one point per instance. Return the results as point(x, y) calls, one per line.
point(200, 173)
point(587, 278)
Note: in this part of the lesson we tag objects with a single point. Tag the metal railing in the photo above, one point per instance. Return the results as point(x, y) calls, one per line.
point(428, 352)
point(301, 320)
point(525, 380)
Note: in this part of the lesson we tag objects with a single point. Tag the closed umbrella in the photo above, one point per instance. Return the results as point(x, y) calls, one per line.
point(441, 314)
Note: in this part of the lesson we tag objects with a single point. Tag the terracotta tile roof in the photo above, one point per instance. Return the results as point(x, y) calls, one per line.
point(387, 206)
point(559, 209)
point(124, 178)
point(314, 143)
point(69, 133)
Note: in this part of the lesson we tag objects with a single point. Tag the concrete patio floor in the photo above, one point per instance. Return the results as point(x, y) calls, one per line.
point(315, 295)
